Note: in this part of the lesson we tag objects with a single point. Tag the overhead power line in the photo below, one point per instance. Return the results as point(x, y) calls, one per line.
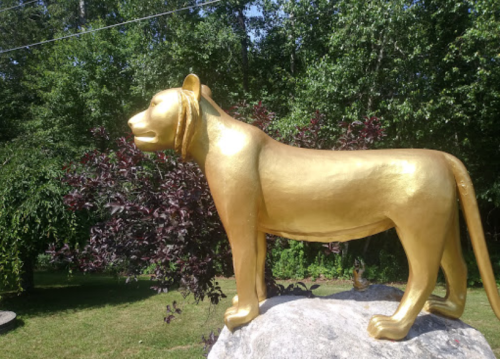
point(13, 7)
point(110, 26)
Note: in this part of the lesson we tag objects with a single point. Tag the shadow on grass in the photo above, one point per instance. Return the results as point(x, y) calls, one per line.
point(18, 324)
point(54, 292)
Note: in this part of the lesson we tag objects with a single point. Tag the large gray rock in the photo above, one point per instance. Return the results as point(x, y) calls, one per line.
point(335, 327)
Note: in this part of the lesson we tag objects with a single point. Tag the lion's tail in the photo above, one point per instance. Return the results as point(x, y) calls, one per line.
point(471, 213)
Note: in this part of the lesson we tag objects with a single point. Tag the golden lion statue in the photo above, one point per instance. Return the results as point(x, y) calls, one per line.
point(262, 186)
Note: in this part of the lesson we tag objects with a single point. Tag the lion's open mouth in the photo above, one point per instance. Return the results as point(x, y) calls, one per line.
point(149, 136)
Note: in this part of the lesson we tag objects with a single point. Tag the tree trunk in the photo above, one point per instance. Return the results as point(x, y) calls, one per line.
point(82, 16)
point(345, 251)
point(27, 276)
point(292, 44)
point(380, 57)
point(244, 47)
point(365, 249)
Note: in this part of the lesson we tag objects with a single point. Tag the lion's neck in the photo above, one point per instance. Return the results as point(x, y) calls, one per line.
point(213, 120)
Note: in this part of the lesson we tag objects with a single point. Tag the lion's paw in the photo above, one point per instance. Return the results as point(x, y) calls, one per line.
point(445, 307)
point(235, 300)
point(235, 317)
point(231, 310)
point(383, 327)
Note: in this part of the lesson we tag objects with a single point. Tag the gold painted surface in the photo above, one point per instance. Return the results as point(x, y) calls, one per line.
point(262, 186)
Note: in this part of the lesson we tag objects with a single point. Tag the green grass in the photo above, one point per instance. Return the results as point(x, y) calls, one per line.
point(101, 317)
point(96, 316)
point(478, 313)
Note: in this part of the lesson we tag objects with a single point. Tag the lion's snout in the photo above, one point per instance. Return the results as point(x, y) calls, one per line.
point(136, 123)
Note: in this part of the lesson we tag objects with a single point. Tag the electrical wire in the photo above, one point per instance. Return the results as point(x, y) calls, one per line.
point(110, 26)
point(13, 7)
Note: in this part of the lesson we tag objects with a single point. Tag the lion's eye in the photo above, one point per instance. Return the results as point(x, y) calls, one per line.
point(152, 104)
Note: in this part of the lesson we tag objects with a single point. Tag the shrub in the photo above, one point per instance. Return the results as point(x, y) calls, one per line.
point(290, 262)
point(155, 213)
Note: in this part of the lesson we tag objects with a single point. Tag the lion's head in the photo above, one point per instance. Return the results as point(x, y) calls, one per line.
point(171, 118)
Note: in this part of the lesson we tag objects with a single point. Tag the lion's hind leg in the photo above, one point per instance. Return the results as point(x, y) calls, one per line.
point(423, 244)
point(455, 272)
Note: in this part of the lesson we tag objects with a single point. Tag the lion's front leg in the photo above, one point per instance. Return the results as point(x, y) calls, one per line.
point(235, 187)
point(244, 247)
point(237, 207)
point(260, 279)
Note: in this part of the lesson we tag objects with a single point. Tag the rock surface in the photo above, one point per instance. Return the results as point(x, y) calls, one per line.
point(335, 327)
point(7, 321)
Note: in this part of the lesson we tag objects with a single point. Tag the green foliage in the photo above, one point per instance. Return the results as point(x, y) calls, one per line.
point(384, 259)
point(32, 213)
point(290, 262)
point(326, 267)
point(388, 270)
point(473, 276)
point(164, 50)
point(43, 262)
point(428, 69)
point(79, 92)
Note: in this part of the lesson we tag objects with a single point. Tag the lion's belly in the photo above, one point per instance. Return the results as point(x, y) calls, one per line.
point(325, 233)
point(322, 217)
point(324, 196)
point(324, 209)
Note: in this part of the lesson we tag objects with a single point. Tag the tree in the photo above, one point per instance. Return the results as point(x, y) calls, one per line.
point(32, 212)
point(163, 53)
point(14, 97)
point(235, 12)
point(79, 87)
point(471, 99)
point(294, 34)
point(427, 69)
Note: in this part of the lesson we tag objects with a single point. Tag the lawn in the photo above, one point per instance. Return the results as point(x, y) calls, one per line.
point(96, 316)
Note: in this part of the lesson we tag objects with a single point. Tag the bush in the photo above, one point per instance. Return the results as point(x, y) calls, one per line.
point(290, 263)
point(155, 214)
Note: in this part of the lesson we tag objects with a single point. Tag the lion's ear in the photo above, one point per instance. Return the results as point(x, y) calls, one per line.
point(192, 83)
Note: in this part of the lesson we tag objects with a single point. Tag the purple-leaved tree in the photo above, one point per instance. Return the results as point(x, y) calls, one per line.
point(153, 212)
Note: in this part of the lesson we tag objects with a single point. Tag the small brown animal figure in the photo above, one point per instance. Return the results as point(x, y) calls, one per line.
point(261, 186)
point(359, 283)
